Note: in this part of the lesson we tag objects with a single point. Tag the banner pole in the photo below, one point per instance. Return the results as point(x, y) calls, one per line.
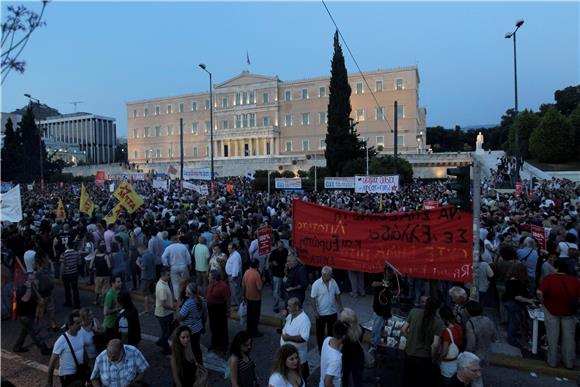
point(476, 223)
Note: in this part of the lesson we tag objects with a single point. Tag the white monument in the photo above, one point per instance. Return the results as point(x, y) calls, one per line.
point(479, 143)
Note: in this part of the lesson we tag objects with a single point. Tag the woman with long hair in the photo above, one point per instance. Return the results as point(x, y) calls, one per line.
point(128, 321)
point(423, 330)
point(242, 367)
point(353, 359)
point(286, 368)
point(193, 313)
point(183, 362)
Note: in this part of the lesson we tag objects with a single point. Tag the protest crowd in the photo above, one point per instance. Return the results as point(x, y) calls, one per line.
point(195, 259)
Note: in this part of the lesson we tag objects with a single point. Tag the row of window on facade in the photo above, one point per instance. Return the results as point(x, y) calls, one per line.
point(249, 121)
point(288, 147)
point(249, 98)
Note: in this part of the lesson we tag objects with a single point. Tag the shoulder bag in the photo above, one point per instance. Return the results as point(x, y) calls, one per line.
point(83, 372)
point(453, 350)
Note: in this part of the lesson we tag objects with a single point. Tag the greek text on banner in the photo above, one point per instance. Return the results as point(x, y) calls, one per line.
point(433, 243)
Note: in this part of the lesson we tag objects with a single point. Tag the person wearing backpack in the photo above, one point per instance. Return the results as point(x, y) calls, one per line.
point(451, 345)
point(70, 353)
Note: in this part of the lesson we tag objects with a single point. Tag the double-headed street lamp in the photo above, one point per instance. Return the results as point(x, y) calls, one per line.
point(31, 99)
point(204, 68)
point(509, 35)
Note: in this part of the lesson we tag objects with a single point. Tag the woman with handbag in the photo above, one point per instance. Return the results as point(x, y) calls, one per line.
point(451, 344)
point(186, 371)
point(70, 352)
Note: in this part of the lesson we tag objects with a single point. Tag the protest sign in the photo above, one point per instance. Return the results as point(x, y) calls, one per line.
point(161, 184)
point(100, 178)
point(199, 188)
point(430, 204)
point(288, 183)
point(264, 240)
point(539, 234)
point(196, 174)
point(435, 244)
point(376, 184)
point(339, 182)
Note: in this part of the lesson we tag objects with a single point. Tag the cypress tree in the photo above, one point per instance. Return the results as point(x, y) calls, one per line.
point(342, 142)
point(32, 145)
point(12, 168)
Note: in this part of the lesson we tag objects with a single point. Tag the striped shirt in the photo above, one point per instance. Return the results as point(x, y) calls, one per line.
point(191, 314)
point(70, 260)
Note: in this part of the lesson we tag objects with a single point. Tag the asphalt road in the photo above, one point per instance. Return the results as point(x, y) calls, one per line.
point(30, 369)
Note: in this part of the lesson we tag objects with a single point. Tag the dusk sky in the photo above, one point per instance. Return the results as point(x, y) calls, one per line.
point(108, 53)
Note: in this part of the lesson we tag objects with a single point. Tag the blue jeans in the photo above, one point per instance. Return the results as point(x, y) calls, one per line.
point(276, 288)
point(165, 324)
point(378, 325)
point(514, 321)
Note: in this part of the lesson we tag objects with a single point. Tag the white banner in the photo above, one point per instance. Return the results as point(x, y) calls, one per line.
point(376, 184)
point(196, 174)
point(11, 206)
point(161, 184)
point(199, 188)
point(339, 182)
point(288, 183)
point(127, 176)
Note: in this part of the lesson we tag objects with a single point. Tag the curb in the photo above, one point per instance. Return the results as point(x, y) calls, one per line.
point(521, 364)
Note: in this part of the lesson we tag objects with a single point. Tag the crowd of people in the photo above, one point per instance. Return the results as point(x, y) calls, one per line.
point(195, 260)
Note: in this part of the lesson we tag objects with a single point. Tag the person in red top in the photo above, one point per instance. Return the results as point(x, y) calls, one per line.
point(252, 293)
point(218, 308)
point(559, 293)
point(451, 344)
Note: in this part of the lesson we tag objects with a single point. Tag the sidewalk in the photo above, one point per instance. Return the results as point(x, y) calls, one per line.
point(502, 354)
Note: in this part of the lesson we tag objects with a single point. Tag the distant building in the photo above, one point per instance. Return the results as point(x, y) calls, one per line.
point(86, 136)
point(258, 117)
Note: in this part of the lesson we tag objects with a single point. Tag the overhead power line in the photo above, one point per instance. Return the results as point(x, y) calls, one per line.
point(357, 66)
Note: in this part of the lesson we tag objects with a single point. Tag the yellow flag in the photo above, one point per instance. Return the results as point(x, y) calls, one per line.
point(113, 214)
point(86, 205)
point(128, 197)
point(60, 212)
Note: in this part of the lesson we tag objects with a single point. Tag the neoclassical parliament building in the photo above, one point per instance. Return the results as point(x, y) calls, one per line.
point(262, 122)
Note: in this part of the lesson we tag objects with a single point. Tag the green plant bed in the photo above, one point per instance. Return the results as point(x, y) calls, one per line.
point(569, 166)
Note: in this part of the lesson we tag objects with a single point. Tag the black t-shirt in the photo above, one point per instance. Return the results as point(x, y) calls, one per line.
point(382, 298)
point(61, 241)
point(278, 256)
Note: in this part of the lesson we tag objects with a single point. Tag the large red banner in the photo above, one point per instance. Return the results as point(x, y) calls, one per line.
point(434, 243)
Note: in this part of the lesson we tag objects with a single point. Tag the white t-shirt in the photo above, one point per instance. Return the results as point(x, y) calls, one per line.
point(90, 346)
point(325, 296)
point(299, 325)
point(564, 247)
point(484, 274)
point(67, 364)
point(330, 363)
point(234, 264)
point(277, 380)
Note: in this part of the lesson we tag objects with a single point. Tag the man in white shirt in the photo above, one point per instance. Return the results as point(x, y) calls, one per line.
point(62, 354)
point(177, 257)
point(234, 271)
point(331, 357)
point(296, 332)
point(325, 297)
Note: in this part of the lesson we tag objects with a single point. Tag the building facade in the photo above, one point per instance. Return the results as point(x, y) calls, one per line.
point(91, 137)
point(257, 117)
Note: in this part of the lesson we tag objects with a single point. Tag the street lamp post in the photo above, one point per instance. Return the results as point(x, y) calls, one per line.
point(30, 99)
point(509, 35)
point(204, 68)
